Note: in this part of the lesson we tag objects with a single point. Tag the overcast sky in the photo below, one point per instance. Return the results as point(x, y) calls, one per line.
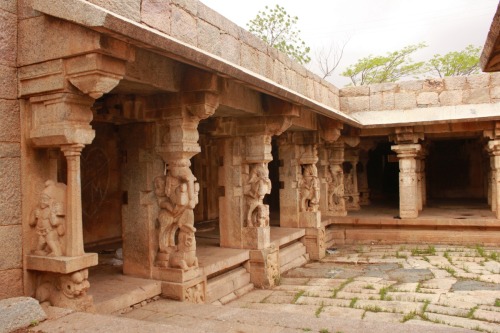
point(376, 26)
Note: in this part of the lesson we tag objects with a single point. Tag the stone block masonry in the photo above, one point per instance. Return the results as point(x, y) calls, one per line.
point(10, 157)
point(407, 95)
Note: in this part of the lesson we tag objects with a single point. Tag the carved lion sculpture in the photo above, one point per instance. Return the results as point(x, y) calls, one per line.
point(185, 256)
point(67, 291)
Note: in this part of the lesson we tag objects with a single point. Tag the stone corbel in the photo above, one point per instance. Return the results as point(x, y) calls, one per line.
point(406, 135)
point(94, 74)
point(330, 129)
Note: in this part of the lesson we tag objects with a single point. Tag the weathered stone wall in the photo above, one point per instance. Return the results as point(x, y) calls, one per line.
point(10, 157)
point(474, 89)
point(198, 25)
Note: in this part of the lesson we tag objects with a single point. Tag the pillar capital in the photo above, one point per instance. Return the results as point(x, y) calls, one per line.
point(407, 150)
point(406, 135)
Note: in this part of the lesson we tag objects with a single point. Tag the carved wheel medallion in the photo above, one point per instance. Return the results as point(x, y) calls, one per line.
point(95, 180)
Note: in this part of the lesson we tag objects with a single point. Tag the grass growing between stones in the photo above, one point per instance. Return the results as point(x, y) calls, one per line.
point(383, 294)
point(430, 250)
point(470, 314)
point(497, 302)
point(353, 302)
point(297, 296)
point(341, 286)
point(319, 310)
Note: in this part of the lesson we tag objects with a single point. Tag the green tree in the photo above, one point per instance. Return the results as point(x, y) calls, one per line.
point(278, 29)
point(456, 63)
point(388, 68)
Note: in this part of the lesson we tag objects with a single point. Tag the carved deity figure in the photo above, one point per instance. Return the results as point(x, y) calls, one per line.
point(177, 195)
point(336, 189)
point(48, 219)
point(257, 187)
point(309, 189)
point(67, 291)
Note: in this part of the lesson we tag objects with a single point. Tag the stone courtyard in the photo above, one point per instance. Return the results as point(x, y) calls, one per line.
point(375, 288)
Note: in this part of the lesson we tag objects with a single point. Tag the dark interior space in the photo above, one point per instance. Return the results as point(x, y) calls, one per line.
point(455, 170)
point(273, 199)
point(383, 175)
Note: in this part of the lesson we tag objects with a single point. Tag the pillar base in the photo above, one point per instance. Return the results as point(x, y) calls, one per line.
point(192, 290)
point(264, 267)
point(314, 241)
point(256, 237)
point(309, 219)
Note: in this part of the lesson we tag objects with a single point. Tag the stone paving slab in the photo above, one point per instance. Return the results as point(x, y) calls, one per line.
point(436, 287)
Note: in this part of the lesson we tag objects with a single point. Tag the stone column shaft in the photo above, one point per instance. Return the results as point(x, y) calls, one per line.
point(494, 150)
point(74, 229)
point(408, 182)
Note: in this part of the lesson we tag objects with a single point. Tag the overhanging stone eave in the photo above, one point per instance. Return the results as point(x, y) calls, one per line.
point(491, 44)
point(117, 26)
point(426, 116)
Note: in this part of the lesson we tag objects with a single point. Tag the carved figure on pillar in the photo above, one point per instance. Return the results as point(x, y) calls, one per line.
point(309, 189)
point(177, 195)
point(66, 291)
point(48, 219)
point(336, 200)
point(257, 187)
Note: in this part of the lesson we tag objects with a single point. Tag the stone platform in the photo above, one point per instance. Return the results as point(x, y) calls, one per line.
point(466, 223)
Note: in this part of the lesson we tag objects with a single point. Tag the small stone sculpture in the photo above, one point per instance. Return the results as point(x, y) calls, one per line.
point(185, 256)
point(195, 294)
point(48, 219)
point(309, 189)
point(66, 291)
point(257, 187)
point(336, 190)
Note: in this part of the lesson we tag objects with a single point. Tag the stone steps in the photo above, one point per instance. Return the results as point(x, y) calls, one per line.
point(112, 291)
point(267, 318)
point(293, 255)
point(228, 286)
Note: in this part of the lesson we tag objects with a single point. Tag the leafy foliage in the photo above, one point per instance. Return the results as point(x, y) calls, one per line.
point(465, 62)
point(277, 28)
point(388, 68)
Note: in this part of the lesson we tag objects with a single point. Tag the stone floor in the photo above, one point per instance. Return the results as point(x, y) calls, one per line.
point(426, 285)
point(376, 289)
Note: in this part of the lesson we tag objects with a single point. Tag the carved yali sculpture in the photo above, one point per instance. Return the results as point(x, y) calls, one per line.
point(258, 185)
point(309, 189)
point(185, 256)
point(48, 219)
point(177, 195)
point(66, 291)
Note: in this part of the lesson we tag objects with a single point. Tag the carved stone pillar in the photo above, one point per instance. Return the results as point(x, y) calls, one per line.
point(364, 189)
point(244, 182)
point(177, 191)
point(336, 199)
point(421, 178)
point(331, 157)
point(74, 231)
point(300, 197)
point(351, 181)
point(408, 182)
point(494, 151)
